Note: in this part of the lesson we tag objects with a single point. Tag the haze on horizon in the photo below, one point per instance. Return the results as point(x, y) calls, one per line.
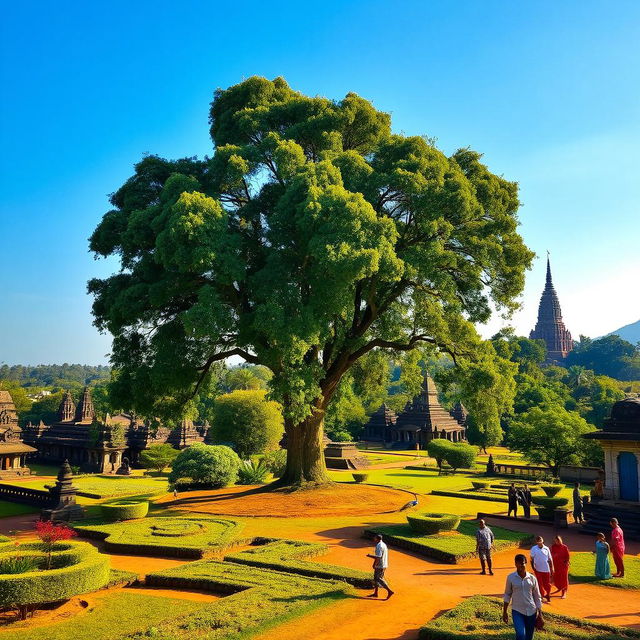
point(95, 90)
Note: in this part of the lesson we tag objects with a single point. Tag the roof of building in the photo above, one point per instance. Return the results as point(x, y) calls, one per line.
point(623, 423)
point(15, 447)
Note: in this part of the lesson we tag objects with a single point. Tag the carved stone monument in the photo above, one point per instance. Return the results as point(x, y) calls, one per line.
point(63, 497)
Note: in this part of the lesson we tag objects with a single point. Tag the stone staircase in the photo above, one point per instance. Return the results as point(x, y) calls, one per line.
point(598, 514)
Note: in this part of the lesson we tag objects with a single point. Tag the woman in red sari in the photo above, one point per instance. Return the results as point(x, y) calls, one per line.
point(560, 556)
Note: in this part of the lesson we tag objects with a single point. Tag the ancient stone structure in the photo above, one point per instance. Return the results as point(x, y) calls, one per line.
point(550, 326)
point(13, 451)
point(422, 420)
point(343, 455)
point(63, 497)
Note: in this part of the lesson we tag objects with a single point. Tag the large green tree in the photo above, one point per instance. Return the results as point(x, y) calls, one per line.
point(313, 236)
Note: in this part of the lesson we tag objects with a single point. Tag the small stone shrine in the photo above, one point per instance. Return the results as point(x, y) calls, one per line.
point(13, 452)
point(63, 497)
point(343, 455)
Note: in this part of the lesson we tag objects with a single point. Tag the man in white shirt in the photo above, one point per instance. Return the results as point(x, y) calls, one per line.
point(522, 591)
point(542, 565)
point(380, 563)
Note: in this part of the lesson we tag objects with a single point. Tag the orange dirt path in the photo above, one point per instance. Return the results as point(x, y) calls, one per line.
point(335, 500)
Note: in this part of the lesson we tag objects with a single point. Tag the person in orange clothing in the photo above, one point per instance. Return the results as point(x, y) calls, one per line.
point(561, 560)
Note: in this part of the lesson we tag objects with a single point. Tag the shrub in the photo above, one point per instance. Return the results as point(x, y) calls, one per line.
point(158, 456)
point(430, 523)
point(461, 455)
point(360, 477)
point(552, 489)
point(251, 472)
point(438, 449)
point(206, 465)
point(549, 502)
point(478, 485)
point(18, 564)
point(124, 510)
point(276, 462)
point(51, 533)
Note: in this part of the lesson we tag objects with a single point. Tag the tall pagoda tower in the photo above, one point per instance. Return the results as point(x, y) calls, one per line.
point(550, 326)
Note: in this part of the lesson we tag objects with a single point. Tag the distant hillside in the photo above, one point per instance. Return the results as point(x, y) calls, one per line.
point(630, 332)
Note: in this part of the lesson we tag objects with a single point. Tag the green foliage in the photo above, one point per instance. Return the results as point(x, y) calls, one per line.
point(438, 449)
point(430, 523)
point(124, 510)
point(456, 454)
point(480, 484)
point(252, 472)
point(290, 556)
point(188, 537)
point(552, 489)
point(582, 568)
point(312, 237)
point(212, 466)
point(276, 462)
point(158, 456)
point(360, 477)
point(54, 375)
point(246, 378)
point(549, 502)
point(249, 421)
point(481, 617)
point(609, 356)
point(18, 564)
point(98, 487)
point(19, 395)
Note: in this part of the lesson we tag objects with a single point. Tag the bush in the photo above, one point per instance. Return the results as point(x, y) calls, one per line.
point(124, 510)
point(206, 465)
point(430, 523)
point(360, 477)
point(478, 485)
point(276, 462)
point(158, 456)
point(549, 502)
point(251, 472)
point(458, 455)
point(438, 449)
point(18, 564)
point(552, 489)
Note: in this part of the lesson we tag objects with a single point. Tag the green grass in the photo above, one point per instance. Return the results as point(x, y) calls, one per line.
point(290, 556)
point(452, 546)
point(8, 509)
point(115, 616)
point(120, 577)
point(480, 617)
point(95, 486)
point(184, 537)
point(260, 599)
point(473, 494)
point(583, 563)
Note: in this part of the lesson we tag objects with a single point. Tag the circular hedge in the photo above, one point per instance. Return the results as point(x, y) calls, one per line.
point(77, 568)
point(549, 502)
point(125, 510)
point(478, 485)
point(360, 477)
point(430, 523)
point(552, 489)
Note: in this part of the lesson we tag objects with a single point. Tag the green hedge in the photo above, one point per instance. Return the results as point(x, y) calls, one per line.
point(79, 568)
point(468, 495)
point(480, 484)
point(289, 556)
point(124, 510)
point(360, 477)
point(548, 502)
point(430, 523)
point(552, 489)
point(480, 617)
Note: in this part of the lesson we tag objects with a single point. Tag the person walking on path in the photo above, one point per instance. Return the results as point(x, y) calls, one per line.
point(561, 560)
point(523, 592)
point(484, 544)
point(577, 504)
point(380, 563)
point(602, 568)
point(617, 547)
point(542, 564)
point(512, 495)
point(525, 501)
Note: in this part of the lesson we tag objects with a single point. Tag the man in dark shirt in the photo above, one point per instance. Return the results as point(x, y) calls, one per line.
point(577, 504)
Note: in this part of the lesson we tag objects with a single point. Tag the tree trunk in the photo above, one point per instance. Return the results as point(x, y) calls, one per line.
point(305, 452)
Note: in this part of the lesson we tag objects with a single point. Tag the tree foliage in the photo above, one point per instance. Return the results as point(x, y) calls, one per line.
point(207, 465)
point(312, 237)
point(609, 356)
point(158, 456)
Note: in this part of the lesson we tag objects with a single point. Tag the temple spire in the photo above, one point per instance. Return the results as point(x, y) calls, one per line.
point(85, 411)
point(549, 282)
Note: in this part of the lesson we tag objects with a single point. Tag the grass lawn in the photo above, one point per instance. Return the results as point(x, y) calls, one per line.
point(451, 546)
point(12, 509)
point(479, 617)
point(115, 616)
point(583, 563)
point(418, 481)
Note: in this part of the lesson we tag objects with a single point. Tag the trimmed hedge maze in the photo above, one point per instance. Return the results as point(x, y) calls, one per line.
point(181, 537)
point(431, 523)
point(124, 510)
point(480, 617)
point(289, 556)
point(454, 546)
point(76, 567)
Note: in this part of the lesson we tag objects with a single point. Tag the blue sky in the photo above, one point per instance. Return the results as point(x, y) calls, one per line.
point(548, 91)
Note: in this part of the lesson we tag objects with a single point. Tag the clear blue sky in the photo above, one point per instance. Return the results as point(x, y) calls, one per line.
point(548, 91)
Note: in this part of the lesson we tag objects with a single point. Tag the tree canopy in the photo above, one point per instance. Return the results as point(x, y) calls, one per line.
point(313, 236)
point(610, 356)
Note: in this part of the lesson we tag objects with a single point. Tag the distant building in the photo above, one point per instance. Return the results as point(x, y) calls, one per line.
point(13, 451)
point(550, 326)
point(422, 420)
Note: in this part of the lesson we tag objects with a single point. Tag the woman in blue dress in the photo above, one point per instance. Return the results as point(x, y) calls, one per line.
point(603, 571)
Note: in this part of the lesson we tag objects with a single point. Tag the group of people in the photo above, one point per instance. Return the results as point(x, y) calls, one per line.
point(522, 496)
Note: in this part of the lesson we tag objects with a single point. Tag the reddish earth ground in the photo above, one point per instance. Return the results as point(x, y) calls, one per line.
point(336, 500)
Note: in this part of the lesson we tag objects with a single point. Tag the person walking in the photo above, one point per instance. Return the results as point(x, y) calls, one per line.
point(175, 492)
point(617, 547)
point(561, 560)
point(512, 496)
point(484, 543)
point(542, 564)
point(525, 501)
point(602, 569)
point(380, 563)
point(523, 592)
point(577, 504)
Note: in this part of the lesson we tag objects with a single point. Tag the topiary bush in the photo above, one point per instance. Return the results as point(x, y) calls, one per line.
point(549, 502)
point(205, 465)
point(124, 510)
point(478, 485)
point(430, 523)
point(552, 489)
point(360, 477)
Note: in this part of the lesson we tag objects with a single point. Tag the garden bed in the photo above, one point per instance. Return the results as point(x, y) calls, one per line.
point(450, 547)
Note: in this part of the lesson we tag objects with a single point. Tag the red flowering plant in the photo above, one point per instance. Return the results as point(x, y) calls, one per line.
point(51, 533)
